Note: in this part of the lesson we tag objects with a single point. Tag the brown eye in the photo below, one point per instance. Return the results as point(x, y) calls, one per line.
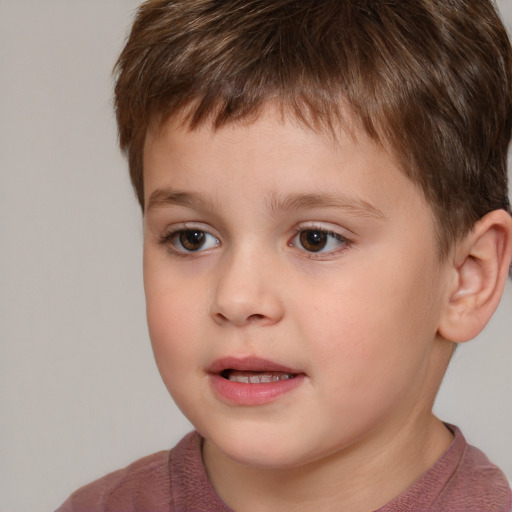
point(321, 241)
point(313, 240)
point(192, 240)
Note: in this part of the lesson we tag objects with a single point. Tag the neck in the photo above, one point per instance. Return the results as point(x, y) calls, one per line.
point(361, 478)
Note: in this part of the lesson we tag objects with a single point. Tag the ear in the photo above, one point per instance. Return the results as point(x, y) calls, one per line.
point(480, 268)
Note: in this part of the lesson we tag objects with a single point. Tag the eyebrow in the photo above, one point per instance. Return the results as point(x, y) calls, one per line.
point(163, 197)
point(323, 200)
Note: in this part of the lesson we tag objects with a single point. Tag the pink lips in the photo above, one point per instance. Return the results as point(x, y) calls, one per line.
point(277, 380)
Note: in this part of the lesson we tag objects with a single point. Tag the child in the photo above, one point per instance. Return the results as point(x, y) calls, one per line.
point(324, 192)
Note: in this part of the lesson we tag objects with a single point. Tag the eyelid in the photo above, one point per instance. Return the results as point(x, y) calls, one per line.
point(172, 231)
point(324, 226)
point(327, 228)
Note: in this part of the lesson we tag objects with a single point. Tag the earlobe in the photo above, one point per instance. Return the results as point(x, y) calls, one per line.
point(480, 270)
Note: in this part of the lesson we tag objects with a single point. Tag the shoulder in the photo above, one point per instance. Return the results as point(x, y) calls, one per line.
point(462, 480)
point(143, 485)
point(477, 485)
point(122, 489)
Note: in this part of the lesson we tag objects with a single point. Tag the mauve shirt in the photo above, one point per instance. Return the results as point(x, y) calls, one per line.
point(462, 480)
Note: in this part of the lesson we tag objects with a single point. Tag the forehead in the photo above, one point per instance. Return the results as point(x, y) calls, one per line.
point(273, 127)
point(271, 156)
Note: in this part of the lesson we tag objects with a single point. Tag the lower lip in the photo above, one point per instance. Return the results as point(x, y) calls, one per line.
point(253, 394)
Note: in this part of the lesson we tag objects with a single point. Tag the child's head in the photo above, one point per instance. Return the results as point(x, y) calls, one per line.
point(428, 79)
point(302, 165)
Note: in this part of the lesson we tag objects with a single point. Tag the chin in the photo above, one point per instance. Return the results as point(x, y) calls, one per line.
point(267, 450)
point(262, 457)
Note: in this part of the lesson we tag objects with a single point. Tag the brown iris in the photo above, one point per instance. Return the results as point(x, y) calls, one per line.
point(192, 239)
point(313, 240)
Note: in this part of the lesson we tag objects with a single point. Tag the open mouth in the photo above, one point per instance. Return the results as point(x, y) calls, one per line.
point(255, 377)
point(252, 381)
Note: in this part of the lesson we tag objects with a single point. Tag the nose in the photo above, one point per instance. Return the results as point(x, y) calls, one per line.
point(246, 292)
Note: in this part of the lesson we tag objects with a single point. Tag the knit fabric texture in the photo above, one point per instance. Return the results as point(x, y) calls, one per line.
point(462, 480)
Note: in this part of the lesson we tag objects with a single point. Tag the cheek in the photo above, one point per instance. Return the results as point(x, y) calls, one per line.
point(165, 327)
point(372, 333)
point(171, 309)
point(171, 299)
point(177, 356)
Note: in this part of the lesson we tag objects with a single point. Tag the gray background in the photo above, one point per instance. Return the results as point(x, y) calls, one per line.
point(79, 391)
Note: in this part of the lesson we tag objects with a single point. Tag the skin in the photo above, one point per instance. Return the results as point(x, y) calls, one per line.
point(359, 319)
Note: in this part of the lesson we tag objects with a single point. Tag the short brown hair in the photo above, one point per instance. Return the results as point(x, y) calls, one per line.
point(430, 79)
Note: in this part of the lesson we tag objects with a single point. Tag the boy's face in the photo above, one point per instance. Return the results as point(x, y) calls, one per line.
point(293, 288)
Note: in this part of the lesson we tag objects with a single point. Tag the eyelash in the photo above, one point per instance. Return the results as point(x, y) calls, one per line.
point(167, 240)
point(344, 242)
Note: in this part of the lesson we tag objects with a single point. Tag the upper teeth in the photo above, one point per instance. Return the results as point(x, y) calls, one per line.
point(258, 378)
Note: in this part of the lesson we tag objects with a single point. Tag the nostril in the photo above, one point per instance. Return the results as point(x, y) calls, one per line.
point(220, 317)
point(239, 310)
point(256, 317)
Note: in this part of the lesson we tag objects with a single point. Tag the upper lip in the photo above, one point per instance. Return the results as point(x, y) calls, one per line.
point(253, 364)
